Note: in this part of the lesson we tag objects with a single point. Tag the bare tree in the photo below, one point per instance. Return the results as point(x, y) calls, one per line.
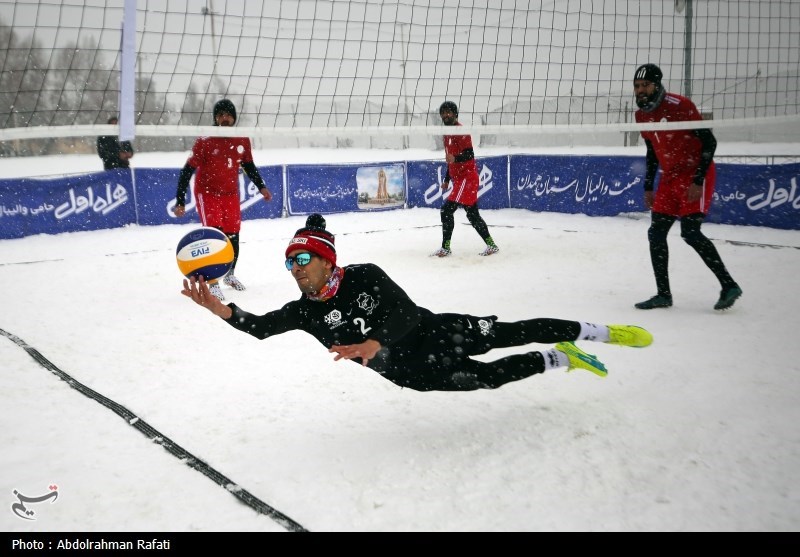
point(22, 76)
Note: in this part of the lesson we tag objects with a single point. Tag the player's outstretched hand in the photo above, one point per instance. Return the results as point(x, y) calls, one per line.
point(198, 291)
point(365, 350)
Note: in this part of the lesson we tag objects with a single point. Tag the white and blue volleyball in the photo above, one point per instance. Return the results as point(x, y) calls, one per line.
point(205, 252)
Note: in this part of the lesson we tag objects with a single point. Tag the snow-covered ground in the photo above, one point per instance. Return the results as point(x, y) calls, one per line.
point(698, 432)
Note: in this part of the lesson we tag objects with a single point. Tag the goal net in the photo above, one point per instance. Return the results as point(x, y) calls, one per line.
point(343, 72)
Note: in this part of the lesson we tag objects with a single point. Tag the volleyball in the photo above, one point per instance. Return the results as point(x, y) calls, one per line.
point(205, 252)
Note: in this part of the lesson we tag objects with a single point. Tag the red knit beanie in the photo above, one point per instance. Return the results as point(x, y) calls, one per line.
point(315, 240)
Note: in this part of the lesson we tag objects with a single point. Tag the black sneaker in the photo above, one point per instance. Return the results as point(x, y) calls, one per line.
point(657, 301)
point(727, 298)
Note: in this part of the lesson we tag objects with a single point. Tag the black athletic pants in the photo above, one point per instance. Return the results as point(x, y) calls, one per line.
point(692, 235)
point(449, 223)
point(443, 362)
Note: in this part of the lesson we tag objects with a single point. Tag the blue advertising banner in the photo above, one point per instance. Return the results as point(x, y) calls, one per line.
point(425, 183)
point(345, 188)
point(51, 206)
point(592, 185)
point(155, 196)
point(757, 195)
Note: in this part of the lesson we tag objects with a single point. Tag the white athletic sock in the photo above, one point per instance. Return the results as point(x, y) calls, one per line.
point(595, 333)
point(554, 359)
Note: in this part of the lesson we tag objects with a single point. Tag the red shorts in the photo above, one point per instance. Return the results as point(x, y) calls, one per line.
point(671, 194)
point(220, 211)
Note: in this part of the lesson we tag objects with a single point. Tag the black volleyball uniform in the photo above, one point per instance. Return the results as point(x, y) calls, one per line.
point(421, 350)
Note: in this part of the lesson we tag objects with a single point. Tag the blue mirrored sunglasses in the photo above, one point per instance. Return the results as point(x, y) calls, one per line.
point(301, 259)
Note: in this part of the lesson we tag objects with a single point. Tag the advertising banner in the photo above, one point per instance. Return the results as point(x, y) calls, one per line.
point(345, 188)
point(757, 195)
point(425, 183)
point(592, 185)
point(51, 206)
point(155, 196)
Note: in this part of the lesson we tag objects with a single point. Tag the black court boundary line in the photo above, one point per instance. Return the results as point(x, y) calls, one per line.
point(154, 435)
point(732, 242)
point(753, 244)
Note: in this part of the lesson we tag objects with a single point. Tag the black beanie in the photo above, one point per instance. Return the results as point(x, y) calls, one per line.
point(449, 105)
point(224, 106)
point(648, 72)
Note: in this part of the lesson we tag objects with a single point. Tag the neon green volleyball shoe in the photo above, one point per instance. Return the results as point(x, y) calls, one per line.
point(629, 335)
point(578, 359)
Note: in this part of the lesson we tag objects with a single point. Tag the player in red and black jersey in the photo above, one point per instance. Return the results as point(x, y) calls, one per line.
point(216, 162)
point(685, 188)
point(462, 173)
